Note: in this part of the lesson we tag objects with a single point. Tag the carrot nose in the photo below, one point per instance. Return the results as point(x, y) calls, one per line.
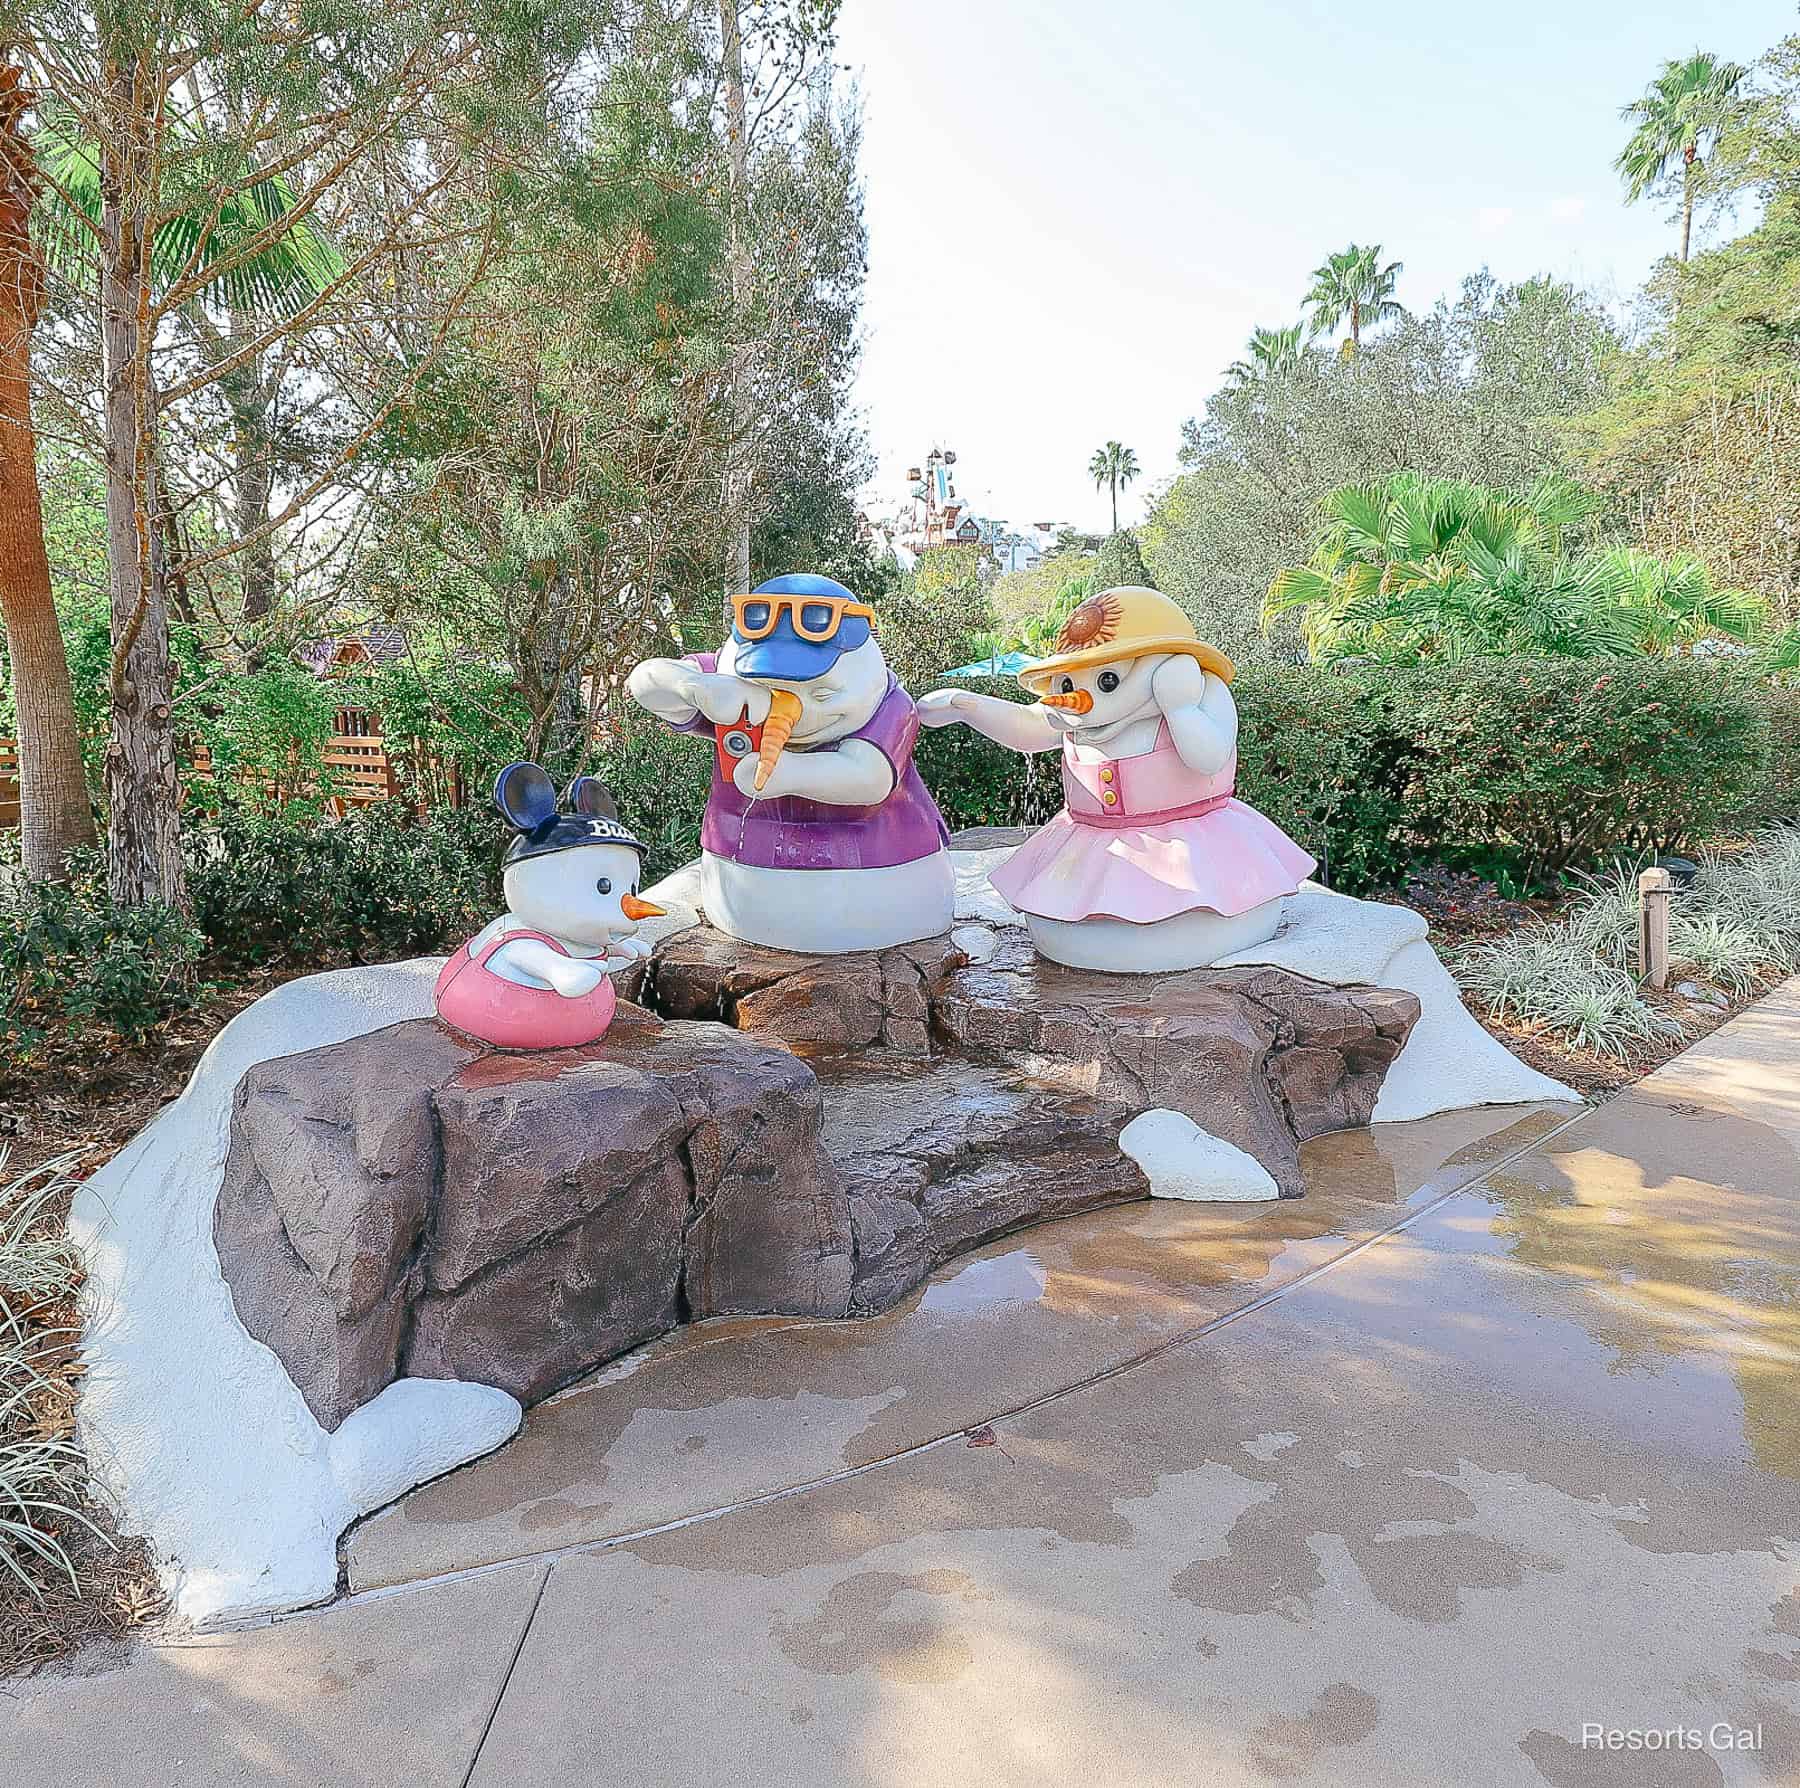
point(633, 908)
point(1077, 700)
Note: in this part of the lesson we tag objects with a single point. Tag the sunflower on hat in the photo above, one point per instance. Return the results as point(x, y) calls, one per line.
point(1128, 622)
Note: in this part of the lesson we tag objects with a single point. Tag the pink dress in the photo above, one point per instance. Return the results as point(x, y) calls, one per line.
point(492, 1009)
point(1145, 838)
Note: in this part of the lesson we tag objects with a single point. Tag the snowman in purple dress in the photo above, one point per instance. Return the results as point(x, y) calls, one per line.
point(1154, 864)
point(832, 843)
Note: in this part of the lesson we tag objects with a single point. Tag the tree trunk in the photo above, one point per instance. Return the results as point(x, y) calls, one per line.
point(1687, 201)
point(252, 473)
point(143, 791)
point(54, 815)
point(1115, 501)
point(737, 468)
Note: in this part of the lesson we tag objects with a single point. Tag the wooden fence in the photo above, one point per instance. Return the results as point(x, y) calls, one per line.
point(355, 757)
point(9, 785)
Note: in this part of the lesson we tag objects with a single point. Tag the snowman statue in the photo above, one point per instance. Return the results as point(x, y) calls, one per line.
point(819, 836)
point(536, 977)
point(1153, 865)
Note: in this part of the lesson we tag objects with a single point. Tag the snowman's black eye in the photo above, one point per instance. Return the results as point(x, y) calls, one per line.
point(1068, 685)
point(1109, 681)
point(604, 884)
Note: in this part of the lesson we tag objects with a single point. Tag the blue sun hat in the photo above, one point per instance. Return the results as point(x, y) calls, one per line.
point(795, 628)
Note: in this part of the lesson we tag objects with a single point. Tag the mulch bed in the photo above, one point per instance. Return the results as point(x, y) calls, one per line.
point(1464, 909)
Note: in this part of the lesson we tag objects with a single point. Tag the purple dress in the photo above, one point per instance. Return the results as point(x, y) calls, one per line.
point(792, 832)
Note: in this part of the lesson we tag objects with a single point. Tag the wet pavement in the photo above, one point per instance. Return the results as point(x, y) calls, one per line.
point(1489, 1444)
point(739, 1407)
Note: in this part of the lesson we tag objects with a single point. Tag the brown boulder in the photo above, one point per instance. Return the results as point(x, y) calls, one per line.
point(938, 1160)
point(867, 1000)
point(406, 1203)
point(409, 1202)
point(324, 1203)
point(1258, 1056)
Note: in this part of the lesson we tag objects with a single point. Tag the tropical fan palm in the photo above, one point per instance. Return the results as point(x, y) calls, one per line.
point(1352, 286)
point(1274, 354)
point(1415, 568)
point(1681, 111)
point(1037, 636)
point(1676, 604)
point(279, 276)
point(1780, 657)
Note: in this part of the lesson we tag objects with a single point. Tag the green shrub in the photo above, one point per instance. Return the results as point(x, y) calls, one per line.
point(440, 711)
point(266, 732)
point(978, 783)
point(660, 779)
point(1120, 563)
point(70, 960)
point(1320, 754)
point(1776, 800)
point(377, 884)
point(1537, 766)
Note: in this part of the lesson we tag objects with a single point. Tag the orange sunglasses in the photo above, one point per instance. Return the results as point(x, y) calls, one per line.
point(815, 618)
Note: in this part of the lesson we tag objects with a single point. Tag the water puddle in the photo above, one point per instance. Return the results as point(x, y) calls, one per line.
point(1016, 1277)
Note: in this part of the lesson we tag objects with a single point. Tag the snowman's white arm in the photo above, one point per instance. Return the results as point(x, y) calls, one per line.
point(663, 685)
point(854, 775)
point(1015, 725)
point(568, 975)
point(1205, 732)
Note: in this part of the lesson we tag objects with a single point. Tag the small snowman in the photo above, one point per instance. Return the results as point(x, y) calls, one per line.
point(1153, 865)
point(536, 978)
point(819, 835)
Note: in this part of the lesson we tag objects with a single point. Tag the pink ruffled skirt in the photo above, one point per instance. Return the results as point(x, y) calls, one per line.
point(1227, 859)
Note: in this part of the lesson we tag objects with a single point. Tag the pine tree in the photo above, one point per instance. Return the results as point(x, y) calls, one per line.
point(1120, 562)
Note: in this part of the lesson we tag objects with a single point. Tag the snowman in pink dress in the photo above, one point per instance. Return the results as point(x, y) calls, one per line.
point(1154, 865)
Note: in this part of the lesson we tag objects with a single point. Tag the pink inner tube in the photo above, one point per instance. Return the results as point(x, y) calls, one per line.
point(491, 1009)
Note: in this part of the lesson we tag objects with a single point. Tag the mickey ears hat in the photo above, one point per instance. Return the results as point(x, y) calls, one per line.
point(526, 799)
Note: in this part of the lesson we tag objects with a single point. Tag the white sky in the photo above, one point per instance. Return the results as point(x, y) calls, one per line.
point(1078, 212)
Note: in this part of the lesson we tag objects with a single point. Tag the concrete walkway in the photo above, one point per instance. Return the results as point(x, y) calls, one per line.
point(1493, 1438)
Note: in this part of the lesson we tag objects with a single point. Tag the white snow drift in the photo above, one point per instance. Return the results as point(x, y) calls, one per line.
point(193, 1429)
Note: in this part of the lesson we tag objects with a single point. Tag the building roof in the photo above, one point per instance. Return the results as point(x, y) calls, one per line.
point(377, 645)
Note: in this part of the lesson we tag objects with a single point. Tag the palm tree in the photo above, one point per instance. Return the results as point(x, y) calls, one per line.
point(1113, 465)
point(1682, 109)
point(55, 817)
point(1383, 545)
point(277, 280)
point(1780, 656)
point(1417, 568)
point(1353, 286)
point(1274, 354)
point(1674, 604)
point(1036, 636)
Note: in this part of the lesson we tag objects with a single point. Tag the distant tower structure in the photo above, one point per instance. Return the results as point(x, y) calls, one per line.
point(936, 514)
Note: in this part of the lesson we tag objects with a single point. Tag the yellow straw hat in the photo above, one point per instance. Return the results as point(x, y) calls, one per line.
point(1129, 622)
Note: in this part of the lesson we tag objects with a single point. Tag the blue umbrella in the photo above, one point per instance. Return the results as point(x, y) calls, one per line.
point(1007, 665)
